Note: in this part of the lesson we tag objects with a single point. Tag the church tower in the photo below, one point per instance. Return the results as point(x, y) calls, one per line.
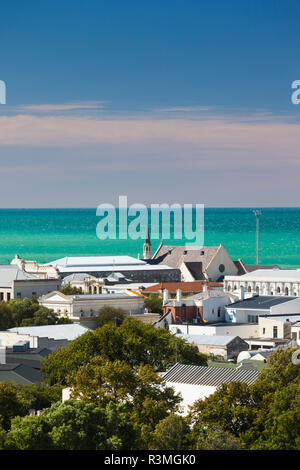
point(147, 246)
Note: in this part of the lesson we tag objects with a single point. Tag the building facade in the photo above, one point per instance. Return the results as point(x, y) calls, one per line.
point(279, 282)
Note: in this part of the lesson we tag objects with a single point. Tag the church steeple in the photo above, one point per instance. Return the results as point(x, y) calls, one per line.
point(147, 246)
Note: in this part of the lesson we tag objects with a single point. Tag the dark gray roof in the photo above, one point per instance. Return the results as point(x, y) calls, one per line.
point(260, 302)
point(254, 267)
point(209, 376)
point(19, 373)
point(195, 269)
point(249, 268)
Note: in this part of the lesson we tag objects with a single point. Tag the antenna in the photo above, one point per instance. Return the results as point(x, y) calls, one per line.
point(257, 214)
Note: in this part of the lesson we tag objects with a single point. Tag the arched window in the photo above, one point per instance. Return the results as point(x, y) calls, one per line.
point(249, 288)
point(286, 291)
point(278, 290)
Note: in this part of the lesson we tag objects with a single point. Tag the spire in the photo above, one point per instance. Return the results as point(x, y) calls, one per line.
point(147, 245)
point(147, 239)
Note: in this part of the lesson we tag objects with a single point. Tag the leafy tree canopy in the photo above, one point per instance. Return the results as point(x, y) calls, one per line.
point(133, 342)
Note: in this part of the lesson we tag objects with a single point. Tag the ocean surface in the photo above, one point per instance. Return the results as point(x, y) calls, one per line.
point(48, 234)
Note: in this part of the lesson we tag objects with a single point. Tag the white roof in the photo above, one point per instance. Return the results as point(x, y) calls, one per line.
point(270, 275)
point(208, 339)
point(69, 331)
point(91, 261)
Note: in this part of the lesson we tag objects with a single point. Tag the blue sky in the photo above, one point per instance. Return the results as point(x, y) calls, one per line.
point(170, 101)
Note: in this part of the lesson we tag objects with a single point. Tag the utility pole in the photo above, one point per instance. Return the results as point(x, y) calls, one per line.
point(257, 214)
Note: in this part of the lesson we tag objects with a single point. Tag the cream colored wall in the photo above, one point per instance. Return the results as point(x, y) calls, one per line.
point(221, 257)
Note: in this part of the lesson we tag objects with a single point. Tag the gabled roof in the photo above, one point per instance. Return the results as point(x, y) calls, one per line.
point(209, 376)
point(78, 277)
point(174, 256)
point(11, 272)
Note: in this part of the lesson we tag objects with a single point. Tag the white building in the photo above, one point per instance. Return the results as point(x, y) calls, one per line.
point(246, 330)
point(198, 382)
point(197, 262)
point(45, 336)
point(84, 307)
point(226, 347)
point(33, 267)
point(18, 284)
point(280, 282)
point(103, 266)
point(86, 283)
point(248, 310)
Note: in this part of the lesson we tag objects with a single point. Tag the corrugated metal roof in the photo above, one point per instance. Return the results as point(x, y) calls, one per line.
point(209, 376)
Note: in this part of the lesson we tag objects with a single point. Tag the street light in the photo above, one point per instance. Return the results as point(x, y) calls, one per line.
point(257, 214)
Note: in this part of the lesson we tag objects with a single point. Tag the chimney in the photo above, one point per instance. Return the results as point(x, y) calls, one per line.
point(178, 295)
point(242, 293)
point(165, 296)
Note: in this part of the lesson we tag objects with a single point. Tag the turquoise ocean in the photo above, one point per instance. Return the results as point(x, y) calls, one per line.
point(47, 234)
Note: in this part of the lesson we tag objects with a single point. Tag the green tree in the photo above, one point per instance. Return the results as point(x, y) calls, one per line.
point(37, 397)
point(141, 389)
point(42, 316)
point(10, 405)
point(133, 342)
point(110, 315)
point(171, 433)
point(23, 309)
point(70, 290)
point(215, 438)
point(73, 426)
point(230, 408)
point(6, 316)
point(154, 304)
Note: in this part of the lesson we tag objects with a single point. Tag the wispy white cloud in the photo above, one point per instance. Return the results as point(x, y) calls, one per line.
point(219, 142)
point(49, 108)
point(185, 109)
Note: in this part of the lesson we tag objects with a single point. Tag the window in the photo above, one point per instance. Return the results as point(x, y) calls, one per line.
point(286, 291)
point(278, 290)
point(219, 312)
point(18, 295)
point(221, 268)
point(252, 319)
point(275, 332)
point(264, 331)
point(8, 296)
point(1, 296)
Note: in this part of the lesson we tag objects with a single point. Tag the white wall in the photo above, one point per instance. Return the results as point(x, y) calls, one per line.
point(9, 338)
point(231, 329)
point(190, 393)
